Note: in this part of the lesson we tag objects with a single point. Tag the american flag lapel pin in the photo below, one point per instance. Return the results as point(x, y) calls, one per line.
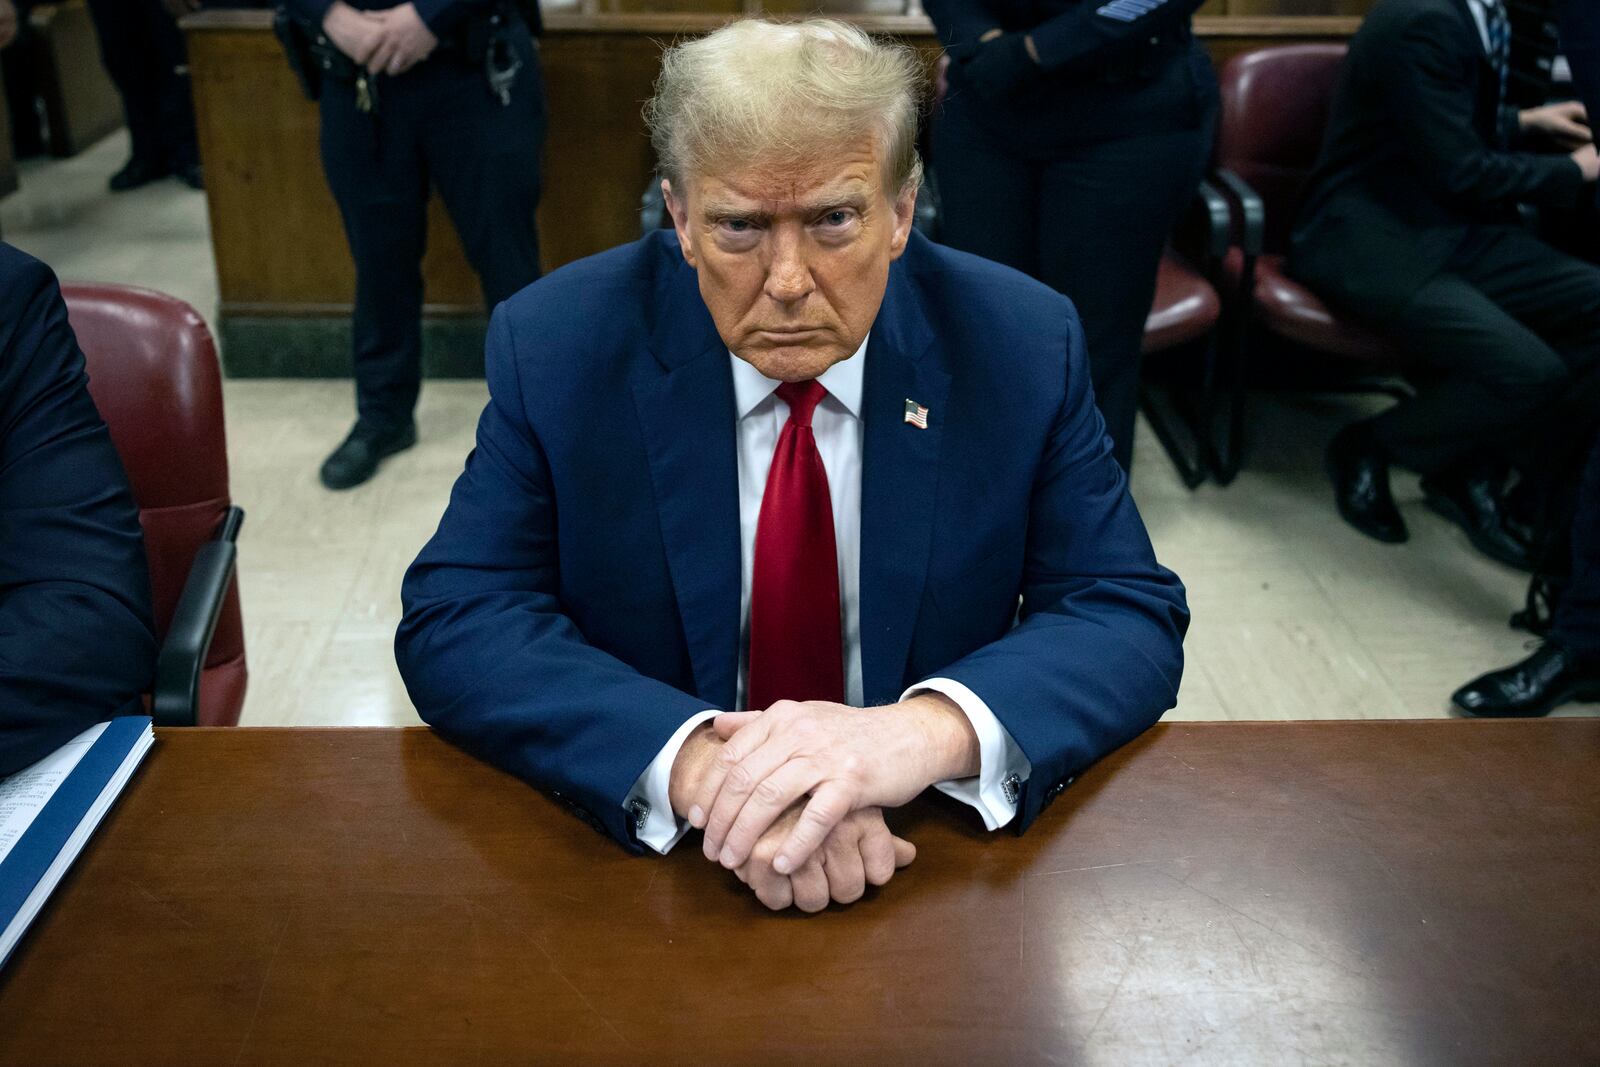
point(916, 414)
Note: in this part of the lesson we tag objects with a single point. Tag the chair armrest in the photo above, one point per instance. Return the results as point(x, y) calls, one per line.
point(1251, 223)
point(1206, 229)
point(176, 700)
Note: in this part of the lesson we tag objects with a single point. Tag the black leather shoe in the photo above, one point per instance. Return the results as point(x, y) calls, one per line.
point(1474, 505)
point(357, 459)
point(1544, 681)
point(1360, 474)
point(137, 172)
point(191, 175)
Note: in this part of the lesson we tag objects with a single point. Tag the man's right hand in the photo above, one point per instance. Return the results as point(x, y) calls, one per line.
point(355, 33)
point(1588, 162)
point(859, 851)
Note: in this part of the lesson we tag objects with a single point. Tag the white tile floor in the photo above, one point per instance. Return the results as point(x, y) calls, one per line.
point(1295, 615)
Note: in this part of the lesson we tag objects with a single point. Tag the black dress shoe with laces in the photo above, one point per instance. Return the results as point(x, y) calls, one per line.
point(136, 172)
point(1544, 681)
point(357, 459)
point(1359, 470)
point(1474, 505)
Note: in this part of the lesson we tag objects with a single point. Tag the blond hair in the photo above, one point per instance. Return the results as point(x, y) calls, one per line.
point(759, 91)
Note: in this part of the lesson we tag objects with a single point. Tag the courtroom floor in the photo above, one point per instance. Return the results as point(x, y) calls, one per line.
point(1295, 615)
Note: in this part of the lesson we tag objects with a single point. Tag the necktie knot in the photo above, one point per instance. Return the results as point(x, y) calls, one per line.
point(802, 398)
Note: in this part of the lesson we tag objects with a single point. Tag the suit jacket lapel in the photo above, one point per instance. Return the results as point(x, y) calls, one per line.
point(899, 483)
point(686, 412)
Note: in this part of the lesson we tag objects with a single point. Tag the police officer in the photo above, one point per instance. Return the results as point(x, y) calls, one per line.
point(1072, 135)
point(447, 92)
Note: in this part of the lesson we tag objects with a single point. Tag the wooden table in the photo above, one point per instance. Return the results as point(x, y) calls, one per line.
point(1369, 893)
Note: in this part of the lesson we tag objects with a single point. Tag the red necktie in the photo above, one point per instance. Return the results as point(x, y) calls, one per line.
point(795, 645)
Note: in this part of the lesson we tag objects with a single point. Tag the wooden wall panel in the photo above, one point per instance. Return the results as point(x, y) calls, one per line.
point(80, 100)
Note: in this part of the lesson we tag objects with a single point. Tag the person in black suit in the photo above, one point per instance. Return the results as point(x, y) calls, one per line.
point(76, 639)
point(1072, 136)
point(1410, 221)
point(1567, 665)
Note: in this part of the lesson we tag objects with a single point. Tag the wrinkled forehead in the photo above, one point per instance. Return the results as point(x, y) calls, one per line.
point(823, 175)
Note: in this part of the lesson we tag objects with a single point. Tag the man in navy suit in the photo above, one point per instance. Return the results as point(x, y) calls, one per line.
point(753, 503)
point(76, 644)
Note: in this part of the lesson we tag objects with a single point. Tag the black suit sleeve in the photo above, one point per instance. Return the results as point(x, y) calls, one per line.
point(1097, 28)
point(1429, 87)
point(311, 12)
point(1089, 31)
point(76, 643)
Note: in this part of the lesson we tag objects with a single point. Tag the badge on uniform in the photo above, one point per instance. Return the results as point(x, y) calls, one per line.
point(916, 414)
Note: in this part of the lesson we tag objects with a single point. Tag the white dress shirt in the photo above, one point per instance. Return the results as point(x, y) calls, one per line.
point(836, 424)
point(1480, 14)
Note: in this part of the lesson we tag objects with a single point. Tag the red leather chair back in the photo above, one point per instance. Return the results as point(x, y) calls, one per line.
point(154, 376)
point(1274, 108)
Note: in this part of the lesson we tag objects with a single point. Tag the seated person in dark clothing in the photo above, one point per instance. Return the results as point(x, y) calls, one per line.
point(1567, 666)
point(1410, 222)
point(76, 643)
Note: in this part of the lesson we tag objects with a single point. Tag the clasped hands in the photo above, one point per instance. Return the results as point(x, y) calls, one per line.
point(791, 798)
point(390, 41)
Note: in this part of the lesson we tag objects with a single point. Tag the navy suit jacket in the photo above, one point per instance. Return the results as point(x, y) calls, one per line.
point(580, 599)
point(76, 644)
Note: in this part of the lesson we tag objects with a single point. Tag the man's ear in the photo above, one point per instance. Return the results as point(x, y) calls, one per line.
point(905, 210)
point(678, 208)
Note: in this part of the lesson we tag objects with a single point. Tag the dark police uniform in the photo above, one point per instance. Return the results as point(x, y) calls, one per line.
point(386, 138)
point(1075, 169)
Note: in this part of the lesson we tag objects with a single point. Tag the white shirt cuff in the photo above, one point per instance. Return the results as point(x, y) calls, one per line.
point(651, 797)
point(1002, 768)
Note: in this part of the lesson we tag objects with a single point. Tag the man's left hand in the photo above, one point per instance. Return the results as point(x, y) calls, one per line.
point(844, 758)
point(1567, 123)
point(405, 41)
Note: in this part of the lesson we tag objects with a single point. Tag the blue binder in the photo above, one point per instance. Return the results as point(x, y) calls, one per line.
point(74, 803)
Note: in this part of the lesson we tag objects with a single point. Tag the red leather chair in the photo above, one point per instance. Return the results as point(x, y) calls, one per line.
point(1185, 312)
point(154, 376)
point(1274, 108)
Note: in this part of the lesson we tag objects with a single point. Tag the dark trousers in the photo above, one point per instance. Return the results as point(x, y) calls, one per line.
point(1089, 219)
point(1499, 334)
point(1577, 617)
point(437, 123)
point(143, 51)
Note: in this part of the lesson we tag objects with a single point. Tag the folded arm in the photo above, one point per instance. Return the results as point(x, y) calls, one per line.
point(1433, 108)
point(491, 660)
point(76, 643)
point(1097, 654)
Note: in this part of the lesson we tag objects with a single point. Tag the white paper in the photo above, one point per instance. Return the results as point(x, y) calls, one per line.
point(25, 793)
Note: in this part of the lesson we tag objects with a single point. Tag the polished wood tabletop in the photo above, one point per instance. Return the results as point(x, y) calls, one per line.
point(1362, 892)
